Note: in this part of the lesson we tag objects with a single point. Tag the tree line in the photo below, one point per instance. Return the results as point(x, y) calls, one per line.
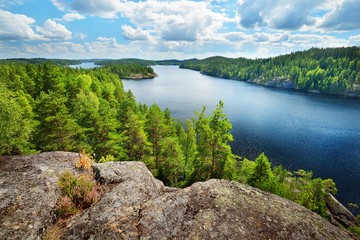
point(330, 70)
point(46, 107)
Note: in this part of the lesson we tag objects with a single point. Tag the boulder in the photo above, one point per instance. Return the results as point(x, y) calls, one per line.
point(339, 215)
point(138, 206)
point(28, 192)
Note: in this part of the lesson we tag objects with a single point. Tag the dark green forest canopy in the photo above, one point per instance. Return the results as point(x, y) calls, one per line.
point(61, 62)
point(330, 70)
point(46, 107)
point(139, 62)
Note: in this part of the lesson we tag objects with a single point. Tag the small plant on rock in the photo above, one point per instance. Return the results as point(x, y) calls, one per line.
point(77, 193)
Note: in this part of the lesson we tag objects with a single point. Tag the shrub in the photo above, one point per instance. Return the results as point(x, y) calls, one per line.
point(108, 158)
point(65, 207)
point(77, 193)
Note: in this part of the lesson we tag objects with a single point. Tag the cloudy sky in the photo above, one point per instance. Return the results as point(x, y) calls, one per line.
point(157, 29)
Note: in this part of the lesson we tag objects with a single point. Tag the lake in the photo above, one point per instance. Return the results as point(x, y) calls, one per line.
point(85, 65)
point(295, 129)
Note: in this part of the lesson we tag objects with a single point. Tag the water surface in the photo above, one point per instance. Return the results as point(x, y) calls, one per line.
point(296, 129)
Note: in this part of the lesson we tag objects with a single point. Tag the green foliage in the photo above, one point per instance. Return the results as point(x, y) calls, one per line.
point(128, 70)
point(332, 70)
point(77, 193)
point(355, 230)
point(214, 158)
point(48, 107)
point(16, 122)
point(301, 187)
point(107, 158)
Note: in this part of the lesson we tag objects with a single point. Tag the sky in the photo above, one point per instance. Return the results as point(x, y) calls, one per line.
point(176, 29)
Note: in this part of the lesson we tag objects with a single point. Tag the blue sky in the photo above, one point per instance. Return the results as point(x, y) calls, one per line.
point(181, 29)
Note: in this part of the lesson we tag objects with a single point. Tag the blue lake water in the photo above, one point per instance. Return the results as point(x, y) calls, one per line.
point(85, 65)
point(296, 129)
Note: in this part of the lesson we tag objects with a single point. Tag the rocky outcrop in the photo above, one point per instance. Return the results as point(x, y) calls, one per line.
point(139, 76)
point(340, 215)
point(275, 82)
point(137, 206)
point(28, 192)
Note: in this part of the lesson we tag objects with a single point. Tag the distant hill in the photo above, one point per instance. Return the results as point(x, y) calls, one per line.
point(61, 62)
point(141, 61)
point(330, 70)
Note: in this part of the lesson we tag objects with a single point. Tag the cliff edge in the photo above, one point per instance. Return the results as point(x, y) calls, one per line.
point(138, 206)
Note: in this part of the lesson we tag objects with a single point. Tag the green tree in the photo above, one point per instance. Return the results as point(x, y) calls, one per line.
point(189, 148)
point(16, 122)
point(137, 145)
point(221, 136)
point(155, 127)
point(172, 161)
point(214, 157)
point(57, 129)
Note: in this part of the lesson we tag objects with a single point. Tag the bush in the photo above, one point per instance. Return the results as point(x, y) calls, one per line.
point(65, 207)
point(77, 193)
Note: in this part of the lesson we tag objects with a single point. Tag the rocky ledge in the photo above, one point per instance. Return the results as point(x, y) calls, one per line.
point(140, 76)
point(140, 207)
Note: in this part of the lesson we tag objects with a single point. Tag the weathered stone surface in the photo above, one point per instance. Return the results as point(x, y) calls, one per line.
point(340, 215)
point(28, 192)
point(138, 206)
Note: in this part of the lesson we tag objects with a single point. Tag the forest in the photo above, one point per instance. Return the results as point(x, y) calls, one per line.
point(330, 70)
point(47, 107)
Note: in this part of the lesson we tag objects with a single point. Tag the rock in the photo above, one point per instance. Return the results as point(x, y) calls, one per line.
point(137, 206)
point(340, 215)
point(140, 207)
point(28, 192)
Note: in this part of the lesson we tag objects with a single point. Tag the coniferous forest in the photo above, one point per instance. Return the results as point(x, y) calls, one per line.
point(47, 107)
point(331, 70)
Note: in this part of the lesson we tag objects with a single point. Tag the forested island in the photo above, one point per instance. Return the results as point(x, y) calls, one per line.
point(330, 70)
point(47, 107)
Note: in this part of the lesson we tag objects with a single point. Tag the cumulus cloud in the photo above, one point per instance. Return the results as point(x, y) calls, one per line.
point(345, 16)
point(181, 20)
point(80, 35)
point(175, 21)
point(131, 33)
point(54, 30)
point(354, 40)
point(100, 8)
point(16, 27)
point(277, 14)
point(69, 17)
point(60, 4)
point(5, 3)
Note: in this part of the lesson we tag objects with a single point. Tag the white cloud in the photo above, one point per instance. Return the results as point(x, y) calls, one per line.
point(60, 4)
point(69, 17)
point(344, 16)
point(54, 30)
point(80, 35)
point(175, 21)
point(235, 36)
point(182, 20)
point(131, 33)
point(277, 14)
point(354, 40)
point(16, 27)
point(6, 3)
point(100, 8)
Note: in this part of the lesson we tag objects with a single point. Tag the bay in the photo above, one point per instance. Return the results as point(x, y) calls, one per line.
point(314, 132)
